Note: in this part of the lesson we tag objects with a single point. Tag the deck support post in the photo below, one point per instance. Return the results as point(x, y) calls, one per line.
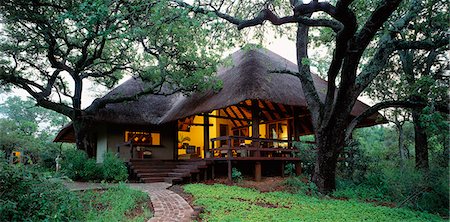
point(212, 171)
point(298, 168)
point(282, 168)
point(205, 134)
point(258, 171)
point(255, 134)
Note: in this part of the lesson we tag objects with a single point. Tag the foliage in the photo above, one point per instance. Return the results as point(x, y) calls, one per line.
point(230, 203)
point(301, 185)
point(236, 175)
point(402, 186)
point(30, 130)
point(378, 174)
point(73, 164)
point(114, 204)
point(27, 196)
point(307, 155)
point(47, 44)
point(77, 166)
point(113, 168)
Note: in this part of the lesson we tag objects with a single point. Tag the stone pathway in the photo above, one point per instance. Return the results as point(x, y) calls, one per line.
point(168, 206)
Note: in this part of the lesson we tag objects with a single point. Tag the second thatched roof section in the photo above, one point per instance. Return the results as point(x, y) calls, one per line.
point(251, 77)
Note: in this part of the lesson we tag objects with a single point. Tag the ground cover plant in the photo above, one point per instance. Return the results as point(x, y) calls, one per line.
point(232, 203)
point(118, 203)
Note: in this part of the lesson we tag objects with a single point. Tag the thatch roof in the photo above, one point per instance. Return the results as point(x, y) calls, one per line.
point(148, 109)
point(249, 77)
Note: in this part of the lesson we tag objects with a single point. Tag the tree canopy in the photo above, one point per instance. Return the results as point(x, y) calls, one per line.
point(50, 48)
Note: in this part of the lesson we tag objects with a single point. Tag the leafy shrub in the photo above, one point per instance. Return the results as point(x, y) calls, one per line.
point(26, 196)
point(73, 163)
point(78, 166)
point(91, 171)
point(307, 156)
point(236, 175)
point(113, 168)
point(301, 184)
point(289, 169)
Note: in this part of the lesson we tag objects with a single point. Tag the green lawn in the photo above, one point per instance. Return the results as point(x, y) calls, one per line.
point(232, 203)
point(118, 203)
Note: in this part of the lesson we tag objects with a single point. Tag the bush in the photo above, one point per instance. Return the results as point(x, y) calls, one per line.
point(404, 186)
point(113, 168)
point(92, 171)
point(26, 196)
point(77, 166)
point(73, 164)
point(236, 175)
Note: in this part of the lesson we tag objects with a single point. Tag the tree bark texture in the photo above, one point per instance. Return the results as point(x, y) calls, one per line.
point(84, 139)
point(421, 142)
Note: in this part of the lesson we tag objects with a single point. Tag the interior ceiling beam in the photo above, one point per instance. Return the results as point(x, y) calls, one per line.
point(235, 114)
point(233, 121)
point(277, 107)
point(229, 118)
point(242, 112)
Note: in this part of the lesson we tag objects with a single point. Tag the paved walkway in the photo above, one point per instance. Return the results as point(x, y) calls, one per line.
point(168, 206)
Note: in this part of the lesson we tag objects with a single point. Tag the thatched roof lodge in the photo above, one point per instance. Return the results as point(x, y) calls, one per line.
point(252, 95)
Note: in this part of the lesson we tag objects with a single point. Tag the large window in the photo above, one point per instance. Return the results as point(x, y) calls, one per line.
point(140, 138)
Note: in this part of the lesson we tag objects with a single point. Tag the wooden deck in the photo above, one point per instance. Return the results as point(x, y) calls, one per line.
point(258, 150)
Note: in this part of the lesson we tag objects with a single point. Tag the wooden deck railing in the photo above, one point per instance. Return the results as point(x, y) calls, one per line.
point(259, 149)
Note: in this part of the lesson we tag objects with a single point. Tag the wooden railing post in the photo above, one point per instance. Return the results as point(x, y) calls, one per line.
point(229, 160)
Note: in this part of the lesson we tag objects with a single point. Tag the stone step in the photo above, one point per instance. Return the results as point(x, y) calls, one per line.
point(153, 179)
point(147, 175)
point(180, 175)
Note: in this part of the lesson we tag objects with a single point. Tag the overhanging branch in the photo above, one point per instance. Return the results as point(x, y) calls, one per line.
point(441, 107)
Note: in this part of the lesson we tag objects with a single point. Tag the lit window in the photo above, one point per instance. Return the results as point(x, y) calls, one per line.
point(143, 138)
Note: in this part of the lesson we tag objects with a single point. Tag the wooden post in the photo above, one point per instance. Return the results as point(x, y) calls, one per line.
point(212, 171)
point(255, 134)
point(205, 134)
point(297, 124)
point(298, 168)
point(258, 171)
point(229, 161)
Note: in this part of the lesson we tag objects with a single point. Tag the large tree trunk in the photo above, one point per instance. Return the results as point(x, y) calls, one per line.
point(330, 142)
point(421, 141)
point(84, 138)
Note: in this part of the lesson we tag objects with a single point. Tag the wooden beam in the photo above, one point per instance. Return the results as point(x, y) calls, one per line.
point(233, 121)
point(235, 114)
point(270, 112)
point(205, 133)
point(278, 109)
point(229, 118)
point(242, 112)
point(198, 124)
point(255, 134)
